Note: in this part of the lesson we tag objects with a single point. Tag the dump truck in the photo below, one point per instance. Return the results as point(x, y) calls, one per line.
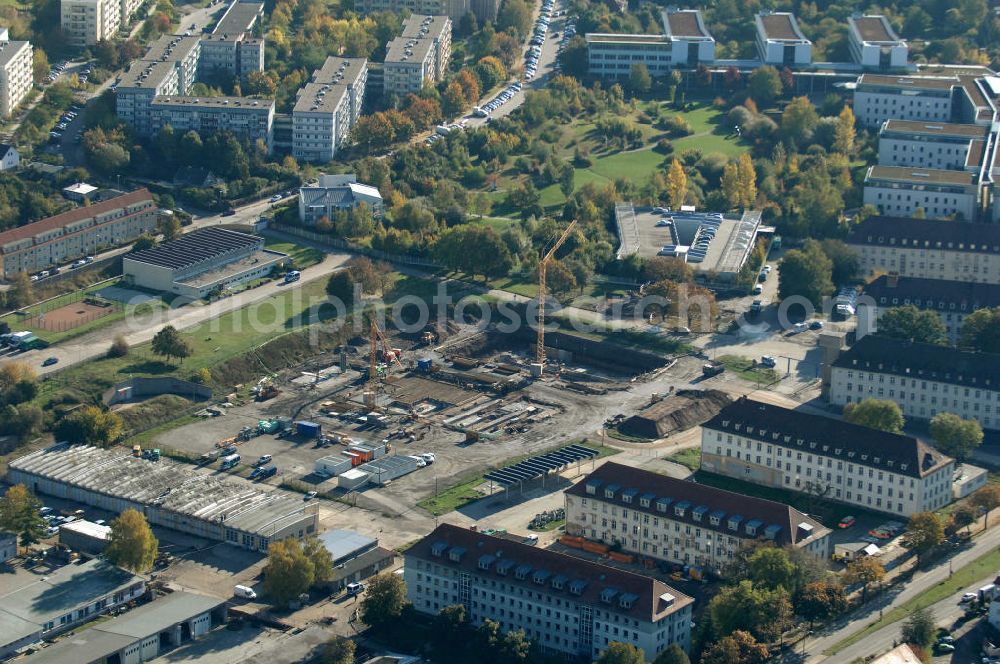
point(712, 368)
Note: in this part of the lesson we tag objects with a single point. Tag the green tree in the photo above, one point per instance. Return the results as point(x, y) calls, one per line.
point(986, 499)
point(816, 204)
point(924, 531)
point(798, 120)
point(981, 331)
point(449, 627)
point(846, 260)
point(573, 58)
point(639, 79)
point(771, 567)
point(19, 514)
point(762, 612)
point(289, 571)
point(21, 292)
point(807, 273)
point(919, 629)
point(955, 436)
point(24, 420)
point(143, 243)
point(911, 324)
point(963, 517)
point(660, 268)
point(677, 185)
point(321, 559)
point(739, 647)
point(119, 347)
point(881, 414)
point(340, 286)
point(672, 655)
point(453, 100)
point(764, 85)
point(820, 600)
point(18, 383)
point(338, 651)
point(621, 653)
point(131, 543)
point(384, 600)
point(865, 571)
point(169, 226)
point(559, 279)
point(515, 15)
point(845, 133)
point(90, 425)
point(40, 66)
point(169, 343)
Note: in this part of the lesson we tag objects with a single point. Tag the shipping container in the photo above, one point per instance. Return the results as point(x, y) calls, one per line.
point(308, 429)
point(425, 365)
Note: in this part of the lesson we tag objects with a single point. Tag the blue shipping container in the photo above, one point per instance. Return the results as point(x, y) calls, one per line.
point(308, 429)
point(425, 364)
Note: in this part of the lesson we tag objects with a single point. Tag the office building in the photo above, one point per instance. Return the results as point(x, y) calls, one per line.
point(16, 74)
point(952, 301)
point(874, 44)
point(327, 108)
point(685, 43)
point(934, 145)
point(899, 191)
point(202, 262)
point(337, 192)
point(420, 55)
point(87, 22)
point(958, 98)
point(76, 233)
point(923, 379)
point(248, 118)
point(41, 607)
point(170, 494)
point(928, 249)
point(566, 605)
point(681, 522)
point(780, 41)
point(789, 449)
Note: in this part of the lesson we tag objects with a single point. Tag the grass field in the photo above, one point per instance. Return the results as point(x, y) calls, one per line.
point(689, 458)
point(746, 369)
point(302, 255)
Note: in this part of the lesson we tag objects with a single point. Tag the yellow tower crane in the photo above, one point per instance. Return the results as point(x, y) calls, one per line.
point(542, 267)
point(376, 335)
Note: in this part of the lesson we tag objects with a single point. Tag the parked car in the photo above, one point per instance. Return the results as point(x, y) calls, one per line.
point(847, 522)
point(355, 588)
point(967, 597)
point(768, 361)
point(311, 495)
point(816, 325)
point(49, 361)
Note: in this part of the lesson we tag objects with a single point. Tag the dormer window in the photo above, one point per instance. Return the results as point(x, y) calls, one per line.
point(522, 572)
point(626, 498)
point(438, 549)
point(558, 582)
point(644, 501)
point(850, 455)
point(455, 555)
point(864, 457)
point(485, 562)
point(609, 493)
point(577, 587)
point(608, 595)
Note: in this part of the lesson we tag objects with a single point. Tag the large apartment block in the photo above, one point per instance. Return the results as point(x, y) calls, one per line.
point(928, 249)
point(86, 22)
point(231, 49)
point(566, 605)
point(137, 89)
point(952, 301)
point(76, 233)
point(247, 118)
point(183, 52)
point(923, 379)
point(16, 76)
point(780, 41)
point(773, 446)
point(483, 10)
point(936, 145)
point(685, 42)
point(874, 44)
point(685, 523)
point(420, 55)
point(327, 108)
point(899, 191)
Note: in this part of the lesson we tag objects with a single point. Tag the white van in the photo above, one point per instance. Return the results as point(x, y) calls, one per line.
point(245, 592)
point(355, 588)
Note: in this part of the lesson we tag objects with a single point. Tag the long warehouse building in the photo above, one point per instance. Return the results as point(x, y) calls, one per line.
point(170, 494)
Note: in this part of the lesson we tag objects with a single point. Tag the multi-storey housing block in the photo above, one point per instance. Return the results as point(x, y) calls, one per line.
point(566, 605)
point(682, 522)
point(773, 446)
point(419, 56)
point(86, 22)
point(327, 108)
point(247, 118)
point(936, 145)
point(16, 75)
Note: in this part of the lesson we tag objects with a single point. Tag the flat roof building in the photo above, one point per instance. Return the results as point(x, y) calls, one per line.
point(936, 145)
point(780, 41)
point(788, 449)
point(420, 55)
point(171, 495)
point(685, 42)
point(484, 10)
point(586, 604)
point(923, 379)
point(947, 95)
point(16, 74)
point(327, 108)
point(85, 536)
point(874, 44)
point(246, 117)
point(337, 192)
point(87, 22)
point(76, 233)
point(202, 261)
point(44, 606)
point(641, 511)
point(895, 190)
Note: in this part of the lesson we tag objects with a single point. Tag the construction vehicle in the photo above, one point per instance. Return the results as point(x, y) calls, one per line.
point(712, 368)
point(152, 455)
point(268, 426)
point(246, 433)
point(137, 451)
point(375, 371)
point(265, 389)
point(542, 269)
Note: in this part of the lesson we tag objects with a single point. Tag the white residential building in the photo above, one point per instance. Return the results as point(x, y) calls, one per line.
point(87, 22)
point(685, 42)
point(16, 74)
point(419, 56)
point(773, 446)
point(327, 108)
point(9, 157)
point(922, 378)
point(137, 89)
point(684, 523)
point(183, 52)
point(245, 117)
point(780, 41)
point(936, 145)
point(874, 44)
point(894, 190)
point(484, 10)
point(337, 192)
point(565, 604)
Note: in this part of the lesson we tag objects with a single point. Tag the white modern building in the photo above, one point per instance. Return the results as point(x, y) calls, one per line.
point(773, 446)
point(232, 50)
point(874, 44)
point(780, 41)
point(566, 605)
point(928, 249)
point(881, 97)
point(922, 378)
point(680, 522)
point(87, 22)
point(419, 56)
point(952, 301)
point(483, 10)
point(16, 73)
point(685, 43)
point(899, 191)
point(935, 145)
point(327, 108)
point(337, 192)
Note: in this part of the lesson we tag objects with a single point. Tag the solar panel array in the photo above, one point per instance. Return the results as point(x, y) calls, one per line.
point(541, 465)
point(195, 247)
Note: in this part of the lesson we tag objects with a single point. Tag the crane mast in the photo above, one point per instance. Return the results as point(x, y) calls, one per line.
point(542, 269)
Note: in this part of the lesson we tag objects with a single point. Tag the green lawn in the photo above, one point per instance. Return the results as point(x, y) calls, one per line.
point(302, 255)
point(746, 369)
point(982, 567)
point(689, 458)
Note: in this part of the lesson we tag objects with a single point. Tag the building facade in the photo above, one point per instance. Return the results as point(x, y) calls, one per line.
point(880, 97)
point(847, 463)
point(483, 10)
point(684, 523)
point(16, 76)
point(874, 44)
point(566, 605)
point(337, 192)
point(923, 379)
point(952, 301)
point(900, 191)
point(246, 117)
point(8, 546)
point(685, 43)
point(76, 233)
point(419, 56)
point(940, 146)
point(87, 22)
point(327, 108)
point(780, 41)
point(928, 249)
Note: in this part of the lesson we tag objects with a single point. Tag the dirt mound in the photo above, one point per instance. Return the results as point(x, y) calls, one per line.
point(677, 412)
